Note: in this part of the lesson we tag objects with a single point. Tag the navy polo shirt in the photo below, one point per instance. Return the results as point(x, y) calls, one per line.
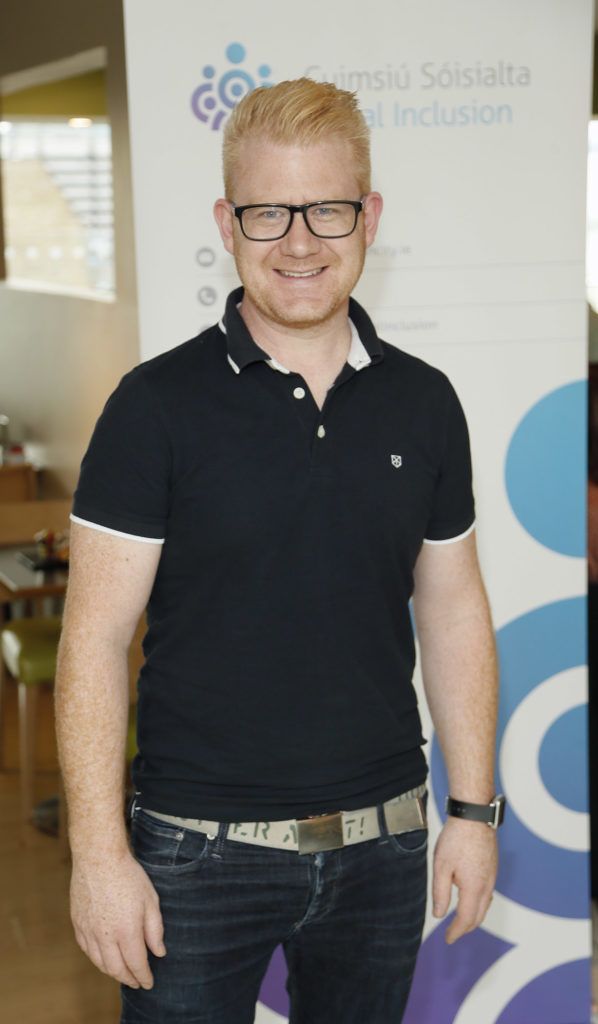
point(279, 653)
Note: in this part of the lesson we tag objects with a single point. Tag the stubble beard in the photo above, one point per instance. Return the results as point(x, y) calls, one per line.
point(305, 317)
point(302, 320)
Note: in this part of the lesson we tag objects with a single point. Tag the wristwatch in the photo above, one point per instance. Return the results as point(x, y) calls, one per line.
point(492, 814)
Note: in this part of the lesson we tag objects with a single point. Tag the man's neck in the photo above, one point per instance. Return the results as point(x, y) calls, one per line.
point(309, 350)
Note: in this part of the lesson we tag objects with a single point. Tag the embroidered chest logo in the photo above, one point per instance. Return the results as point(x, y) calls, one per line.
point(397, 461)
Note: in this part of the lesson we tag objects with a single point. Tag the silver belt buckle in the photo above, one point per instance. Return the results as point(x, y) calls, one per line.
point(320, 832)
point(406, 815)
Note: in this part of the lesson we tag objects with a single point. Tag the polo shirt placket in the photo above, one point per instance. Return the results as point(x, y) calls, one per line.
point(313, 419)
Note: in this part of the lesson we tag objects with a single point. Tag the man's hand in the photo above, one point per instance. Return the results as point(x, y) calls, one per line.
point(466, 855)
point(115, 912)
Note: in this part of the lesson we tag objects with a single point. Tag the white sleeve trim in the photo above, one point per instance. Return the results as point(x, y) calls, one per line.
point(451, 540)
point(117, 533)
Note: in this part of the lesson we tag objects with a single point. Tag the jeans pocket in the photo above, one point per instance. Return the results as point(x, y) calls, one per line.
point(162, 846)
point(409, 843)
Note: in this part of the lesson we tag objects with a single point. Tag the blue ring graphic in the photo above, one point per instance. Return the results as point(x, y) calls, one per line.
point(568, 783)
point(531, 649)
point(238, 77)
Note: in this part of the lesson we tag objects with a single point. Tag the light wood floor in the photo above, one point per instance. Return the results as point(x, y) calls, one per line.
point(44, 977)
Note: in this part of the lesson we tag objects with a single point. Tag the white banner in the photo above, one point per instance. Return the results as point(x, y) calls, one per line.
point(479, 134)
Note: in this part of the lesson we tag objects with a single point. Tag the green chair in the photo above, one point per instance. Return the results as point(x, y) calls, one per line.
point(28, 652)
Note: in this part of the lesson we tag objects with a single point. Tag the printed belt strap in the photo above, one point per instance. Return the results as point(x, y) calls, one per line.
point(404, 813)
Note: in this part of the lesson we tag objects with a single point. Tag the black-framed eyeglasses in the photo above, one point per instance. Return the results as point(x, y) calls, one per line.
point(266, 222)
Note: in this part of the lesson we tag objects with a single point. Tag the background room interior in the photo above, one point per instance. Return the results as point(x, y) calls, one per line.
point(108, 255)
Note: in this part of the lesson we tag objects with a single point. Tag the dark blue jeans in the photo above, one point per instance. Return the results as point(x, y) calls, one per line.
point(350, 923)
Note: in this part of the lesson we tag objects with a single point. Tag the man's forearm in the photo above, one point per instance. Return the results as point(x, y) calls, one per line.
point(91, 700)
point(461, 683)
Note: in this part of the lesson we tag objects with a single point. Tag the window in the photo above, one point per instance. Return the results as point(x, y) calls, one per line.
point(56, 177)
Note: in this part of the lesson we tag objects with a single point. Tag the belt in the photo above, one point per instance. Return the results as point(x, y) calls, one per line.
point(403, 813)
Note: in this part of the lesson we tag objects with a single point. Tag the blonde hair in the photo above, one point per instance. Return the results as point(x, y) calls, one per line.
point(299, 112)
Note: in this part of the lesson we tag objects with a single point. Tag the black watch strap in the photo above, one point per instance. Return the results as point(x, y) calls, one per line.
point(492, 814)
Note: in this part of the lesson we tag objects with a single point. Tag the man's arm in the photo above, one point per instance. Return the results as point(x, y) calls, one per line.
point(114, 907)
point(459, 671)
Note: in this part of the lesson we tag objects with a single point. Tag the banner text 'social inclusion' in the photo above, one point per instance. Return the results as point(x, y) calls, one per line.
point(438, 115)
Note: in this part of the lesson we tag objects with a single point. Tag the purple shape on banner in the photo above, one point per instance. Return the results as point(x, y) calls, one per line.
point(444, 974)
point(202, 100)
point(559, 996)
point(273, 994)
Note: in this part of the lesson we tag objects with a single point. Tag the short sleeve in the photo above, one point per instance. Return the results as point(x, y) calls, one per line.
point(453, 514)
point(124, 482)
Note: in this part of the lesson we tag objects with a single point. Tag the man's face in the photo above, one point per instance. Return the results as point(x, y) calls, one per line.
point(328, 267)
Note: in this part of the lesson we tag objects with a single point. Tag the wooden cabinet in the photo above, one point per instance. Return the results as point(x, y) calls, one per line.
point(18, 483)
point(20, 520)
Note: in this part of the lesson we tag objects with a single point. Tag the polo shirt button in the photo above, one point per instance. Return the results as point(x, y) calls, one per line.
point(299, 392)
point(321, 431)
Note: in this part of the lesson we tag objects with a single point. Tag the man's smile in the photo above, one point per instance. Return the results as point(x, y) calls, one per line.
point(301, 273)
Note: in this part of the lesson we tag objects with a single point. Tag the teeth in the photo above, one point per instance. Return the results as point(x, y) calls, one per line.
point(304, 273)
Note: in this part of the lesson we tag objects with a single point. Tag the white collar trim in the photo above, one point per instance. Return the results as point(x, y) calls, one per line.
point(276, 365)
point(358, 356)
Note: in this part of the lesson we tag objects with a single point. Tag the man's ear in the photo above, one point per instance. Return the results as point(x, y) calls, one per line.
point(372, 214)
point(224, 218)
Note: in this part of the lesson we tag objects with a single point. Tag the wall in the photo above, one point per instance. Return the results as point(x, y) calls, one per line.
point(76, 96)
point(60, 356)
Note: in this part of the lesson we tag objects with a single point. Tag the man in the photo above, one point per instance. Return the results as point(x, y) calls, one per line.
point(277, 488)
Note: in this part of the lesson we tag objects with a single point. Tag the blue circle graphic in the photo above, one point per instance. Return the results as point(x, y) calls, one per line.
point(209, 71)
point(546, 470)
point(235, 53)
point(264, 70)
point(563, 761)
point(532, 871)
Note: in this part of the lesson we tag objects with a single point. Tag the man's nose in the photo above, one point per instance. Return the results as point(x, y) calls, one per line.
point(299, 240)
